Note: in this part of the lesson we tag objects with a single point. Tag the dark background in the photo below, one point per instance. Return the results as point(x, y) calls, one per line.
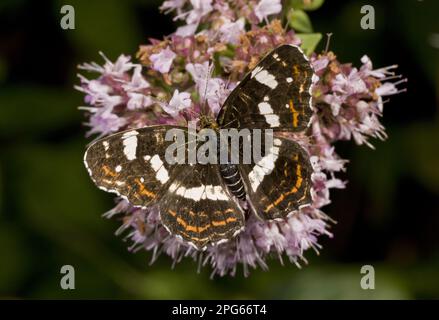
point(50, 210)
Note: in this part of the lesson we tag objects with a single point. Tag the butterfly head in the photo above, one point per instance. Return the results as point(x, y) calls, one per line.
point(208, 122)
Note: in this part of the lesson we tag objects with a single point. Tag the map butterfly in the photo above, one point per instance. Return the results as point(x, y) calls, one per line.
point(201, 202)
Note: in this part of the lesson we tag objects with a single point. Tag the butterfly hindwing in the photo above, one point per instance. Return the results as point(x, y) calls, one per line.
point(280, 182)
point(199, 207)
point(275, 94)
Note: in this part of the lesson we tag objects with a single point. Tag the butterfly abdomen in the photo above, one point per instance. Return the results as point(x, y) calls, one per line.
point(232, 178)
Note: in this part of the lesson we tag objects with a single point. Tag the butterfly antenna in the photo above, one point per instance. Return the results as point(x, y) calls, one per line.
point(328, 41)
point(206, 83)
point(229, 80)
point(286, 25)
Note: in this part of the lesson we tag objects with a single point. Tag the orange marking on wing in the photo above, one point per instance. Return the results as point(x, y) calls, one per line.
point(218, 223)
point(172, 212)
point(194, 238)
point(296, 71)
point(293, 190)
point(182, 222)
point(187, 226)
point(223, 222)
point(201, 229)
point(191, 228)
point(298, 181)
point(299, 176)
point(108, 171)
point(143, 190)
point(295, 114)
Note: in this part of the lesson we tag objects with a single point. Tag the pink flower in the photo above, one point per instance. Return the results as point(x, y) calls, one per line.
point(368, 70)
point(96, 91)
point(200, 72)
point(330, 161)
point(301, 233)
point(267, 7)
point(171, 5)
point(351, 84)
point(104, 122)
point(187, 30)
point(320, 64)
point(212, 90)
point(193, 17)
point(200, 9)
point(347, 105)
point(386, 89)
point(138, 101)
point(117, 69)
point(99, 94)
point(334, 101)
point(162, 61)
point(178, 102)
point(137, 81)
point(216, 94)
point(231, 31)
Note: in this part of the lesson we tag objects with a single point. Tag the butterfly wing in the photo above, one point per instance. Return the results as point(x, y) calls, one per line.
point(199, 207)
point(193, 201)
point(132, 164)
point(280, 182)
point(276, 94)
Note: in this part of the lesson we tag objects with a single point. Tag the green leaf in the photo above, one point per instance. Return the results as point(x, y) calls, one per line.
point(299, 21)
point(309, 41)
point(307, 5)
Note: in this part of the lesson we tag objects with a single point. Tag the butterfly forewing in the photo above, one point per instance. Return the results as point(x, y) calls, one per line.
point(132, 164)
point(275, 94)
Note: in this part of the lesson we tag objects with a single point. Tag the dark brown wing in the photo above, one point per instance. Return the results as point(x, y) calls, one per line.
point(199, 207)
point(276, 94)
point(132, 164)
point(194, 202)
point(280, 182)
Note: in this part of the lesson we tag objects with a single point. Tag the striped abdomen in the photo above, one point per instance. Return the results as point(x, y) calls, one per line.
point(233, 180)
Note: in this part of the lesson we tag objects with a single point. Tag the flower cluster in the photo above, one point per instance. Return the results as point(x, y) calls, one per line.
point(199, 65)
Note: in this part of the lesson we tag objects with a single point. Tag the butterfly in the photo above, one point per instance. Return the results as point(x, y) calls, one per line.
point(202, 203)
